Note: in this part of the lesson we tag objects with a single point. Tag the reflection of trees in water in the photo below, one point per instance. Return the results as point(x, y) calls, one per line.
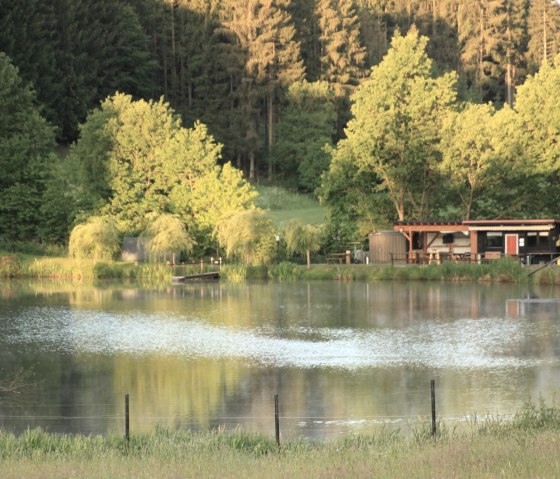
point(175, 391)
point(207, 392)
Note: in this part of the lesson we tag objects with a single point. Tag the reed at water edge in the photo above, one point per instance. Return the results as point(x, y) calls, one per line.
point(504, 270)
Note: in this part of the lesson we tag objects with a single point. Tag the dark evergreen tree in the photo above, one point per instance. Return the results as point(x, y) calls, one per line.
point(265, 33)
point(26, 155)
point(305, 19)
point(342, 53)
point(544, 32)
point(306, 127)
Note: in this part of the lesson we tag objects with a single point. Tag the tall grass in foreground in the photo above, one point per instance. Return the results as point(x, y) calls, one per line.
point(526, 446)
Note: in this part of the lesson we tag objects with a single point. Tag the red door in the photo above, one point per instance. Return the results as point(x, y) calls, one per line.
point(512, 244)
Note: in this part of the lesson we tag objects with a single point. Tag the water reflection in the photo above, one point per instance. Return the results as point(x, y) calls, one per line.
point(343, 356)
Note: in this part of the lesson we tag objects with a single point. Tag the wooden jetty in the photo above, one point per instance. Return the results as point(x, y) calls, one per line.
point(190, 277)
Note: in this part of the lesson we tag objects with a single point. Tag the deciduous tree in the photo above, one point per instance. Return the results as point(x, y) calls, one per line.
point(167, 234)
point(303, 239)
point(98, 239)
point(137, 160)
point(248, 236)
point(395, 127)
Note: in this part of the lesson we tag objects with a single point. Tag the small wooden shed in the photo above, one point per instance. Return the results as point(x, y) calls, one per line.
point(384, 245)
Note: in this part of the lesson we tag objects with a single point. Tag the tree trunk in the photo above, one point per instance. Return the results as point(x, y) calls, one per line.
point(173, 51)
point(251, 164)
point(509, 79)
point(270, 106)
point(545, 39)
point(308, 258)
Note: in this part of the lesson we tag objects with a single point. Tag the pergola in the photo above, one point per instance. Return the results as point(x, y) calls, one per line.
point(408, 228)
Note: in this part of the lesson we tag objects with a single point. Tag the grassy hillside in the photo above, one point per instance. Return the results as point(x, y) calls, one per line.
point(283, 205)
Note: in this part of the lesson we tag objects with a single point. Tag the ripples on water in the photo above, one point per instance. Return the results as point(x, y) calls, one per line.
point(462, 343)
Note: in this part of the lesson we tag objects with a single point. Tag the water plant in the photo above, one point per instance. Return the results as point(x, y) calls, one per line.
point(235, 272)
point(285, 271)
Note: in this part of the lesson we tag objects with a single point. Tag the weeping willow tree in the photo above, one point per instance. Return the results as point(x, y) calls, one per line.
point(167, 235)
point(303, 239)
point(248, 236)
point(98, 239)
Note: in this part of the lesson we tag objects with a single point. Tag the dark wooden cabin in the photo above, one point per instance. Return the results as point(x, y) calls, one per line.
point(533, 241)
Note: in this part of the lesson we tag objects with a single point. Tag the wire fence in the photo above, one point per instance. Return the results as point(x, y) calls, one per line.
point(271, 413)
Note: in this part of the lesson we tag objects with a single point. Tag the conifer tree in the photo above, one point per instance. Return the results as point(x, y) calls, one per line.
point(342, 53)
point(26, 155)
point(492, 33)
point(264, 30)
point(308, 124)
point(304, 15)
point(543, 31)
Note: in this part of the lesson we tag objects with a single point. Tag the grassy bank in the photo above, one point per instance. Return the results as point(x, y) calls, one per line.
point(500, 271)
point(58, 268)
point(505, 270)
point(525, 447)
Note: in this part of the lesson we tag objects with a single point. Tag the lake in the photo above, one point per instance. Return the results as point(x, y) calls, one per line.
point(344, 357)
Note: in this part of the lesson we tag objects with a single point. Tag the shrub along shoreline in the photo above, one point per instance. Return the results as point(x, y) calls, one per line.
point(525, 446)
point(505, 271)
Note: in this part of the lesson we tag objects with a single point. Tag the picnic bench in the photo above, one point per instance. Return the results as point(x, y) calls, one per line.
point(340, 258)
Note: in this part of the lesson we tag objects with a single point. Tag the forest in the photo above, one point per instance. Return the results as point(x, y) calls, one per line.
point(383, 109)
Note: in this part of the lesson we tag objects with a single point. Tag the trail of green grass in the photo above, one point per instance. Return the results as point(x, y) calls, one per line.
point(283, 206)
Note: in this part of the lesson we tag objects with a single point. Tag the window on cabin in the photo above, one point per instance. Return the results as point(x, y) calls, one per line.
point(417, 241)
point(494, 240)
point(447, 238)
point(538, 240)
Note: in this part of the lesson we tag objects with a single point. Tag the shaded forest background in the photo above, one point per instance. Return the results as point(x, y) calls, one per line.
point(229, 63)
point(273, 81)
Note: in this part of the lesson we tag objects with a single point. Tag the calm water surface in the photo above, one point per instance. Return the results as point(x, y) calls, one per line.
point(343, 357)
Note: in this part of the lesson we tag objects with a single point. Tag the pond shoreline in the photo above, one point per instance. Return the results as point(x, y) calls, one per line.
point(58, 268)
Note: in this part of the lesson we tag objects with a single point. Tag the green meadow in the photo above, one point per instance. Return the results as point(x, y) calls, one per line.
point(283, 205)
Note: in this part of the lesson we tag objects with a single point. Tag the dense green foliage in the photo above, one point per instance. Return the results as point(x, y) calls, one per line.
point(247, 236)
point(26, 157)
point(308, 124)
point(137, 162)
point(98, 239)
point(379, 97)
point(229, 62)
point(415, 151)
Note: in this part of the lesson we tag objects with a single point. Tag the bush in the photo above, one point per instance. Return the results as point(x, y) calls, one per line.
point(97, 240)
point(9, 267)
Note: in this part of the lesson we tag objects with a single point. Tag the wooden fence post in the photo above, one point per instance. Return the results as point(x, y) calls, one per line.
point(433, 388)
point(276, 420)
point(126, 419)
